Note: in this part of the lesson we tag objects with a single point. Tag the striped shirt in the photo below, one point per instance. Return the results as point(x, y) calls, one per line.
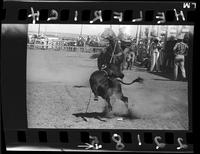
point(180, 48)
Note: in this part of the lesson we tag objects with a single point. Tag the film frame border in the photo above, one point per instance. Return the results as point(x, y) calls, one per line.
point(131, 140)
point(100, 13)
point(21, 134)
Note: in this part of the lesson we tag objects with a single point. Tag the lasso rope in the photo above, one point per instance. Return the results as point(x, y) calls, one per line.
point(88, 102)
point(113, 52)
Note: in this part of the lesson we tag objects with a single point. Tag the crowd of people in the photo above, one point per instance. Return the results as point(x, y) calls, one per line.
point(92, 41)
point(170, 57)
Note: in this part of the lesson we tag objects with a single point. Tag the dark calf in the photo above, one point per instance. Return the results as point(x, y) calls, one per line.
point(104, 83)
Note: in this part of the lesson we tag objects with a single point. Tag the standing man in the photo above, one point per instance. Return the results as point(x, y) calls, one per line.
point(154, 50)
point(128, 61)
point(169, 55)
point(133, 52)
point(180, 51)
point(132, 59)
point(188, 39)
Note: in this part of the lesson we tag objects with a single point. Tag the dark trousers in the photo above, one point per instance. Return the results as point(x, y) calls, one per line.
point(179, 63)
point(168, 63)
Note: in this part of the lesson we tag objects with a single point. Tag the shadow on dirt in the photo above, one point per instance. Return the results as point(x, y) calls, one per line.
point(162, 79)
point(128, 115)
point(105, 114)
point(77, 86)
point(96, 115)
point(163, 74)
point(140, 69)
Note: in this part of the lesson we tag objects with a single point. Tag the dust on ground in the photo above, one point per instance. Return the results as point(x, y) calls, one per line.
point(58, 93)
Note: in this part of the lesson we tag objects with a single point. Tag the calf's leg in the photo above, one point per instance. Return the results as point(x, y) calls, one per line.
point(94, 90)
point(109, 105)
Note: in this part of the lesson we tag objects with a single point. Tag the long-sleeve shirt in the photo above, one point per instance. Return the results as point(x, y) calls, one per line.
point(180, 48)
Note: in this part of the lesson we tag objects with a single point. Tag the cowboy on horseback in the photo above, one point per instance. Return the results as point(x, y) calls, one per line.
point(107, 80)
point(114, 53)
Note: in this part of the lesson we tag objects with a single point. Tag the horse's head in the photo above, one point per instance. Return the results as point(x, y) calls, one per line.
point(114, 70)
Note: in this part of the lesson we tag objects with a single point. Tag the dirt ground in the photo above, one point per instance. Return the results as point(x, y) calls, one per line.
point(58, 93)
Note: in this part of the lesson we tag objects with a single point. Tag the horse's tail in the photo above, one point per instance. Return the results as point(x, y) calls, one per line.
point(139, 79)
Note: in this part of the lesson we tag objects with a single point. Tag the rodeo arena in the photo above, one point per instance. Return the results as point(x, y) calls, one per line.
point(119, 77)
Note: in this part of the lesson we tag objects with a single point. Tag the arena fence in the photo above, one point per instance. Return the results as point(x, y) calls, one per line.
point(66, 48)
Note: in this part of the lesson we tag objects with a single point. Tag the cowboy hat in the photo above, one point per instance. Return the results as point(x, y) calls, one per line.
point(108, 33)
point(157, 38)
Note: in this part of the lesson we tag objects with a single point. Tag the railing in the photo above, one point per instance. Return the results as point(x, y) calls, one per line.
point(65, 48)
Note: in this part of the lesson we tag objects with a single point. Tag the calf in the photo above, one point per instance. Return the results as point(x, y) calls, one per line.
point(105, 83)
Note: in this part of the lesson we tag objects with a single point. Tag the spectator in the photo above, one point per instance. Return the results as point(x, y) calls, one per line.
point(141, 50)
point(169, 54)
point(88, 40)
point(188, 39)
point(154, 50)
point(146, 62)
point(180, 51)
point(132, 59)
point(129, 61)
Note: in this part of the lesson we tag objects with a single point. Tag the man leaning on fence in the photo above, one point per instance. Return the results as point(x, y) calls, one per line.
point(180, 51)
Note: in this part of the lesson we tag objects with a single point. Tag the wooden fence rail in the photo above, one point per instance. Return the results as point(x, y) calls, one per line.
point(66, 48)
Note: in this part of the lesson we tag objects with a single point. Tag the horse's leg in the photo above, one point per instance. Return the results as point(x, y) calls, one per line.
point(130, 65)
point(123, 60)
point(95, 92)
point(122, 66)
point(127, 65)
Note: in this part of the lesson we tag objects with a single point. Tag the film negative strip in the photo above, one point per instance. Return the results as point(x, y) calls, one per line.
point(90, 13)
point(67, 65)
point(106, 140)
